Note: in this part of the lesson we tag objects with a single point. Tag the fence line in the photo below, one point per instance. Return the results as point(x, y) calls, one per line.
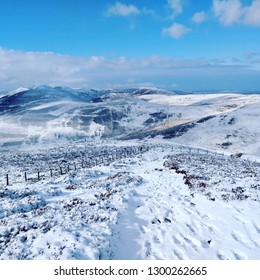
point(107, 156)
point(92, 161)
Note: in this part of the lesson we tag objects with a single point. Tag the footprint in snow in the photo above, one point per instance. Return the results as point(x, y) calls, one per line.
point(240, 238)
point(190, 228)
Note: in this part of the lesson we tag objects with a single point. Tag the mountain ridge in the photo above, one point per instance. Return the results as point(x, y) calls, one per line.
point(48, 114)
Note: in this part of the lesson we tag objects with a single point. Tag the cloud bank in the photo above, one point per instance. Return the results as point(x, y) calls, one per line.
point(27, 69)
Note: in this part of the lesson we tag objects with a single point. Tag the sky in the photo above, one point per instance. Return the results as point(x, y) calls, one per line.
point(171, 44)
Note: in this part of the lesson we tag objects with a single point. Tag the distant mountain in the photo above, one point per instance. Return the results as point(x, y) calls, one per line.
point(47, 114)
point(23, 97)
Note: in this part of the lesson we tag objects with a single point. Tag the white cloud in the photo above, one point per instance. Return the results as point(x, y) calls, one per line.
point(27, 69)
point(121, 9)
point(199, 17)
point(252, 14)
point(232, 11)
point(227, 11)
point(176, 30)
point(176, 6)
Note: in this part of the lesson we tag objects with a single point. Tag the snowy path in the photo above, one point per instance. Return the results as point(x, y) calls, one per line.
point(163, 221)
point(135, 208)
point(127, 232)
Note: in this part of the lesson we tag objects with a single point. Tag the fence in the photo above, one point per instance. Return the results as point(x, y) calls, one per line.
point(104, 157)
point(91, 157)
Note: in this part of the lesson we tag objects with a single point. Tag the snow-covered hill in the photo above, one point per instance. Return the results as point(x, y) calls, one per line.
point(225, 121)
point(170, 202)
point(45, 114)
point(129, 174)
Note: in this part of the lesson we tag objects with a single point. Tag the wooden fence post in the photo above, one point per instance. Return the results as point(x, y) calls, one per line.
point(51, 172)
point(25, 176)
point(38, 175)
point(7, 179)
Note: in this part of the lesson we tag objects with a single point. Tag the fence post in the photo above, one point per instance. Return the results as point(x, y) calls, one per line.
point(38, 174)
point(51, 172)
point(75, 166)
point(25, 176)
point(7, 179)
point(61, 173)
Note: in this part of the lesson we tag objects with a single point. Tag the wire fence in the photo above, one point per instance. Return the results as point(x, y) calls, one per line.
point(88, 160)
point(46, 166)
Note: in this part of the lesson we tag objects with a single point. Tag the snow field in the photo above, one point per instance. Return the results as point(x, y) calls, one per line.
point(179, 223)
point(137, 207)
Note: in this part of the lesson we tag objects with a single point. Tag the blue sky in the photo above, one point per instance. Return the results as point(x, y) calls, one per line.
point(174, 44)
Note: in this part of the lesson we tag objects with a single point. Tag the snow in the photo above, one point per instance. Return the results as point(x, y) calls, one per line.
point(133, 206)
point(189, 99)
point(13, 92)
point(237, 131)
point(186, 186)
point(42, 113)
point(96, 129)
point(174, 225)
point(54, 133)
point(63, 107)
point(234, 123)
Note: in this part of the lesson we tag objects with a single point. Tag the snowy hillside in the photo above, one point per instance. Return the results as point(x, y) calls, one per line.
point(223, 121)
point(129, 203)
point(227, 122)
point(129, 174)
point(44, 114)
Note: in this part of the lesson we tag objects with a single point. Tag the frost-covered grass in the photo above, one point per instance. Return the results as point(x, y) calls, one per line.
point(171, 202)
point(217, 176)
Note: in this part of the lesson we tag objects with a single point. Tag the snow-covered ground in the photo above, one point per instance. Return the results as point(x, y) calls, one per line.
point(203, 99)
point(170, 202)
point(219, 121)
point(129, 174)
point(231, 121)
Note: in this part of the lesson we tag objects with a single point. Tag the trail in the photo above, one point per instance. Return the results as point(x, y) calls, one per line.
point(163, 220)
point(134, 208)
